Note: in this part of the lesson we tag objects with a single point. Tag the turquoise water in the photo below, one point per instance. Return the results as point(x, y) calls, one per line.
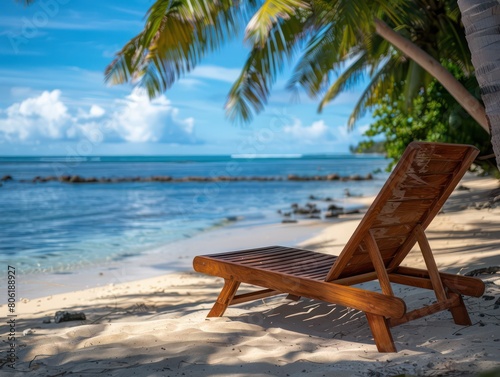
point(56, 226)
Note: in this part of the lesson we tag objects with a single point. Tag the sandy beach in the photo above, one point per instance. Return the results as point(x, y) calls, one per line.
point(157, 326)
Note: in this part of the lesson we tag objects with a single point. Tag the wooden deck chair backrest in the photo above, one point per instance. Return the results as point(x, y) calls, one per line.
point(414, 193)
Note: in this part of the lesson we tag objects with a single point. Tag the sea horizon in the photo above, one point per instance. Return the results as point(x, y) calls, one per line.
point(160, 157)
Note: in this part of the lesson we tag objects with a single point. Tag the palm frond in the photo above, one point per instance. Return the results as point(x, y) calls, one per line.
point(341, 35)
point(268, 15)
point(319, 58)
point(176, 36)
point(391, 11)
point(380, 85)
point(351, 76)
point(249, 93)
point(125, 63)
point(413, 83)
point(452, 34)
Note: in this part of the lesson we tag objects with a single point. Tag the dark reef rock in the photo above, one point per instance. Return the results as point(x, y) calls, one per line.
point(63, 316)
point(76, 179)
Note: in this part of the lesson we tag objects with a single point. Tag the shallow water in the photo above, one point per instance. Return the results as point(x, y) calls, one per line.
point(56, 226)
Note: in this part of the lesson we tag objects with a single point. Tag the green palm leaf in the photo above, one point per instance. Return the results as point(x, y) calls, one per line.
point(176, 36)
point(269, 14)
point(380, 85)
point(413, 83)
point(249, 93)
point(321, 55)
point(351, 76)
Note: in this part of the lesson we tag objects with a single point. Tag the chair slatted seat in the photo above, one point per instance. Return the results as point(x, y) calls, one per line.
point(285, 260)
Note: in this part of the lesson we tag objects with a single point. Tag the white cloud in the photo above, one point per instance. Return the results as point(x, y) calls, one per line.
point(134, 119)
point(37, 117)
point(316, 131)
point(214, 72)
point(46, 106)
point(96, 111)
point(137, 119)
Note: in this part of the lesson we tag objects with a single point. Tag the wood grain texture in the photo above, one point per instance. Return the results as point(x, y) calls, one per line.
point(381, 333)
point(246, 297)
point(459, 312)
point(425, 311)
point(225, 297)
point(412, 196)
point(352, 297)
point(465, 285)
point(378, 264)
point(425, 248)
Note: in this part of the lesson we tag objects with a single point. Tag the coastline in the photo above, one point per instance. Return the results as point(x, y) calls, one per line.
point(157, 326)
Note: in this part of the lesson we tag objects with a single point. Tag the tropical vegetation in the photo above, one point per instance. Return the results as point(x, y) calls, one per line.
point(334, 44)
point(433, 116)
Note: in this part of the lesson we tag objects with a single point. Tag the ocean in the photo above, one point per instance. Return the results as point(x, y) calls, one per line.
point(54, 226)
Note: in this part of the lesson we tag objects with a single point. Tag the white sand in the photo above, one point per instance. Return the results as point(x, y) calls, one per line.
point(157, 326)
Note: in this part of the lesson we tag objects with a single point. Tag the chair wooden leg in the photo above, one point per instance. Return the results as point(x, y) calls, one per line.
point(226, 295)
point(293, 297)
point(381, 333)
point(459, 313)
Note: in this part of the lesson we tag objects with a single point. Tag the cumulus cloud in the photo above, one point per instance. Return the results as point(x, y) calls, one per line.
point(316, 131)
point(137, 119)
point(43, 116)
point(132, 119)
point(96, 111)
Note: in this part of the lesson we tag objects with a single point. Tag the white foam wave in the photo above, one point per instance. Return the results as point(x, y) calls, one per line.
point(252, 155)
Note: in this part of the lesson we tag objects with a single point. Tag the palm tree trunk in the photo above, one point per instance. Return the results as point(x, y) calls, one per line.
point(481, 19)
point(431, 65)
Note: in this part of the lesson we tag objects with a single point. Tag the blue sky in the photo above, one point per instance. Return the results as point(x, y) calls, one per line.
point(53, 99)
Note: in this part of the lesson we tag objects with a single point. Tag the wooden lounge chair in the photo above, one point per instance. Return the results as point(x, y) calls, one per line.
point(412, 196)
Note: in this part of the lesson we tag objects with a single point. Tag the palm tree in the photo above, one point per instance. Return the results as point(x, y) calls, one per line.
point(422, 26)
point(481, 20)
point(436, 70)
point(178, 34)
